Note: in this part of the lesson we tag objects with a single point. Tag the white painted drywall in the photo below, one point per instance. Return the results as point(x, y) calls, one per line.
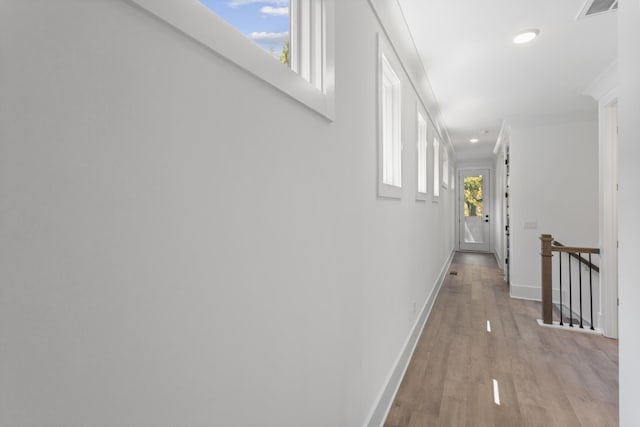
point(553, 190)
point(184, 245)
point(628, 208)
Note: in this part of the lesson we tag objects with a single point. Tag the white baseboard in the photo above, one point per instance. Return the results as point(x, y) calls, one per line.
point(576, 314)
point(385, 399)
point(499, 260)
point(556, 325)
point(533, 293)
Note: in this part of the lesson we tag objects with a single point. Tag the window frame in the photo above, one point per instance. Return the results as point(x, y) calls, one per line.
point(422, 152)
point(453, 176)
point(207, 28)
point(387, 66)
point(436, 146)
point(445, 166)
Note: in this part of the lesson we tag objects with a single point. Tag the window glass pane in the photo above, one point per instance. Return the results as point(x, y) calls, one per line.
point(390, 119)
point(445, 168)
point(422, 154)
point(264, 22)
point(473, 209)
point(397, 144)
point(387, 133)
point(436, 168)
point(473, 195)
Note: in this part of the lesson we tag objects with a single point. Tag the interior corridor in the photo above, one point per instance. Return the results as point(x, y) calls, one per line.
point(545, 377)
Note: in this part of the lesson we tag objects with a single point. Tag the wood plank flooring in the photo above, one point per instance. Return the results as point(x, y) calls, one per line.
point(547, 377)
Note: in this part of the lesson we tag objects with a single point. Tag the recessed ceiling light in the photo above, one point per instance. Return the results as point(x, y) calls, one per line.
point(474, 140)
point(526, 36)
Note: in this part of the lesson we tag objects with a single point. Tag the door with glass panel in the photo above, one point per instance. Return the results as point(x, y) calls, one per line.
point(474, 207)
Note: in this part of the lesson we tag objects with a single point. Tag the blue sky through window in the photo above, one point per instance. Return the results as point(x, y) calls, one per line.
point(266, 22)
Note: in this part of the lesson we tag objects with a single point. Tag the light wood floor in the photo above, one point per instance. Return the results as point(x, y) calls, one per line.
point(547, 377)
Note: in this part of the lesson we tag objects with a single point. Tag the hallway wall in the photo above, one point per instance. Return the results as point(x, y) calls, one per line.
point(554, 190)
point(183, 244)
point(628, 208)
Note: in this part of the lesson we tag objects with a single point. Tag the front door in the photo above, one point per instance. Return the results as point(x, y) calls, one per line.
point(475, 209)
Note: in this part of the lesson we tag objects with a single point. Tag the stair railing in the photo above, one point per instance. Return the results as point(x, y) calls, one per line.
point(549, 246)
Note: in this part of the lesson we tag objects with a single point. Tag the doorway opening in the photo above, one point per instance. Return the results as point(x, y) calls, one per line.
point(474, 196)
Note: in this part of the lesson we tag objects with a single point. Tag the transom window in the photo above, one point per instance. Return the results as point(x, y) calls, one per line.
point(389, 132)
point(436, 168)
point(391, 144)
point(298, 34)
point(267, 23)
point(445, 167)
point(291, 31)
point(422, 157)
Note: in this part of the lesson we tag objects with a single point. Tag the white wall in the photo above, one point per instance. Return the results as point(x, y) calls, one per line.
point(554, 183)
point(628, 207)
point(184, 245)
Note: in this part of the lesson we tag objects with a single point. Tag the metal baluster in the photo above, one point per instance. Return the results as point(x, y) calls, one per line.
point(580, 279)
point(570, 295)
point(560, 261)
point(591, 291)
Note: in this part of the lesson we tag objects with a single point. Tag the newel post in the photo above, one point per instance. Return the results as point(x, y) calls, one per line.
point(547, 296)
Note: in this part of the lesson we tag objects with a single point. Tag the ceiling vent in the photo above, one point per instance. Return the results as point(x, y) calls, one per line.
point(598, 7)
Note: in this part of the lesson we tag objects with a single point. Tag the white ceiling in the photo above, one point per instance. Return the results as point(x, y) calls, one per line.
point(480, 77)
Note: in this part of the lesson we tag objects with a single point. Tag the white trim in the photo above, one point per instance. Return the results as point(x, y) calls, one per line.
point(387, 66)
point(385, 399)
point(534, 293)
point(503, 136)
point(436, 163)
point(565, 327)
point(551, 119)
point(608, 217)
point(498, 260)
point(604, 83)
point(394, 25)
point(531, 293)
point(452, 175)
point(604, 90)
point(422, 117)
point(444, 158)
point(576, 314)
point(205, 27)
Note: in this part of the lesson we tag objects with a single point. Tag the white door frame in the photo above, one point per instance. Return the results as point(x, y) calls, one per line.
point(604, 90)
point(486, 206)
point(608, 222)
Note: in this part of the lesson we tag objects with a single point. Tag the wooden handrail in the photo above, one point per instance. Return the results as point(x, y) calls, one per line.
point(573, 251)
